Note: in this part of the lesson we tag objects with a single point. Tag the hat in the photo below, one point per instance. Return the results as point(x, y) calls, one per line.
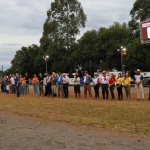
point(104, 72)
point(138, 70)
point(76, 74)
point(95, 73)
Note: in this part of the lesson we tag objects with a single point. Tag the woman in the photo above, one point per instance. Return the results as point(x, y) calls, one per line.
point(35, 84)
point(96, 83)
point(76, 81)
point(119, 86)
point(111, 84)
point(127, 85)
point(21, 86)
point(41, 84)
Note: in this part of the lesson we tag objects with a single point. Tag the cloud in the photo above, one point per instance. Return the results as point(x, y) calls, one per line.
point(22, 21)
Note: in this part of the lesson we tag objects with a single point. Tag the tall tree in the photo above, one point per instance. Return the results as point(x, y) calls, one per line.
point(139, 54)
point(28, 59)
point(63, 23)
point(139, 12)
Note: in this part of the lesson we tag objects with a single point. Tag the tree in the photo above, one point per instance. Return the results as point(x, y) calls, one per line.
point(140, 12)
point(28, 59)
point(64, 19)
point(109, 41)
point(139, 54)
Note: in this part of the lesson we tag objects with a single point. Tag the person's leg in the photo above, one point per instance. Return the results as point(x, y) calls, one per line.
point(106, 88)
point(78, 90)
point(89, 90)
point(85, 91)
point(95, 91)
point(67, 92)
point(129, 93)
point(137, 91)
point(75, 90)
point(141, 91)
point(64, 89)
point(126, 91)
point(103, 91)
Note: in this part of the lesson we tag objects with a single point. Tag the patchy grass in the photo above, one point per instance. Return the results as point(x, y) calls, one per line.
point(121, 116)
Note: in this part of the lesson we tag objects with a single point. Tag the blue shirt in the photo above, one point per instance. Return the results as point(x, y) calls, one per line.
point(59, 80)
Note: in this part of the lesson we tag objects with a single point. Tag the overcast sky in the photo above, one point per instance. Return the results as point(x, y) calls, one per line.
point(21, 22)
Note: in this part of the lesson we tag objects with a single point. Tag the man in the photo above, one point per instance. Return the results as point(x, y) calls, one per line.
point(87, 86)
point(53, 84)
point(27, 83)
point(65, 85)
point(17, 83)
point(48, 90)
point(60, 84)
point(12, 84)
point(76, 81)
point(104, 84)
point(138, 79)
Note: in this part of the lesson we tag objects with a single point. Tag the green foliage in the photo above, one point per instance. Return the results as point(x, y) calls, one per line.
point(28, 59)
point(64, 19)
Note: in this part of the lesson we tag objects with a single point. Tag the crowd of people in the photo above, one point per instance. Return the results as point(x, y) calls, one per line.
point(56, 85)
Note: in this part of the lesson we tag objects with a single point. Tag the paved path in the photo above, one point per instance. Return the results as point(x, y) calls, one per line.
point(23, 133)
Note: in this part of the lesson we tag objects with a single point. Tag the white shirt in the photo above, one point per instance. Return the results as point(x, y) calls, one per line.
point(103, 81)
point(65, 79)
point(12, 80)
point(138, 78)
point(76, 80)
point(48, 79)
point(95, 81)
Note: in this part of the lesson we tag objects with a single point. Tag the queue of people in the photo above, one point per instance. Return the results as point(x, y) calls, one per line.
point(56, 85)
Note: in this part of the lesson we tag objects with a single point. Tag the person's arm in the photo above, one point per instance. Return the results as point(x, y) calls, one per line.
point(141, 80)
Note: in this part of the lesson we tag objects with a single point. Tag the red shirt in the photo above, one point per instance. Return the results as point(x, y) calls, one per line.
point(112, 80)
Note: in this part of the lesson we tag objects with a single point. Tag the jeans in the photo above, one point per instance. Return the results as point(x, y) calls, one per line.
point(65, 88)
point(96, 89)
point(27, 89)
point(18, 90)
point(127, 90)
point(35, 88)
point(111, 88)
point(120, 94)
point(105, 91)
point(41, 89)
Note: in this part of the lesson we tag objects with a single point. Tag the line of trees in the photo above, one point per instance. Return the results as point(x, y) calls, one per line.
point(96, 49)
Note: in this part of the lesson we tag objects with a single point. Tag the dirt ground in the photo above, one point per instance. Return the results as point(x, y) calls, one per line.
point(24, 133)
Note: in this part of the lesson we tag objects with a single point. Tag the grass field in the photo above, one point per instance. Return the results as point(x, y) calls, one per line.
point(120, 116)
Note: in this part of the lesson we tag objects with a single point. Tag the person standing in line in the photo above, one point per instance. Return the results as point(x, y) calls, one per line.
point(49, 89)
point(21, 86)
point(76, 81)
point(87, 86)
point(127, 85)
point(41, 84)
point(119, 86)
point(96, 83)
point(138, 79)
point(53, 84)
point(59, 81)
point(65, 85)
point(17, 83)
point(12, 83)
point(26, 78)
point(104, 84)
point(35, 85)
point(111, 84)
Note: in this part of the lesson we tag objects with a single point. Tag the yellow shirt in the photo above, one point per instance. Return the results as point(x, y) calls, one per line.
point(127, 81)
point(119, 80)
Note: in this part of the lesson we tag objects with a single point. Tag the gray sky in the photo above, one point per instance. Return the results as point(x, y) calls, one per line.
point(21, 22)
